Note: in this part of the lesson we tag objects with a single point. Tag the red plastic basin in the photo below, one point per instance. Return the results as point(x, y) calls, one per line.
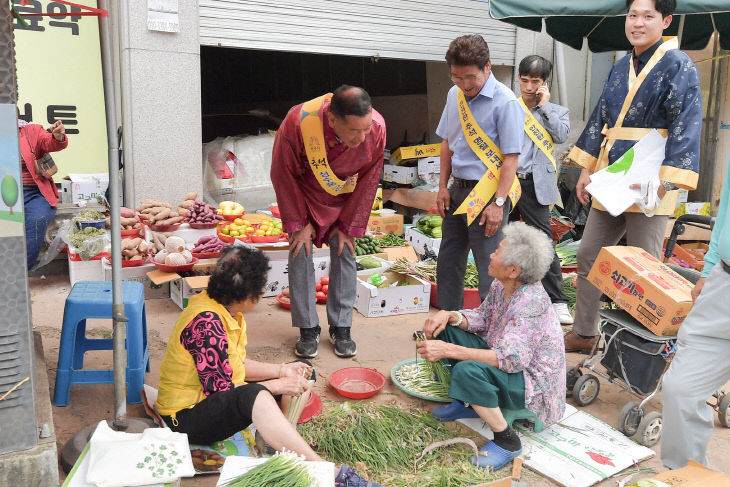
point(357, 382)
point(471, 297)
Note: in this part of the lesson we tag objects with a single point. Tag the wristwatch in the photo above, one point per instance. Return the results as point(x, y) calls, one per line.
point(668, 186)
point(499, 201)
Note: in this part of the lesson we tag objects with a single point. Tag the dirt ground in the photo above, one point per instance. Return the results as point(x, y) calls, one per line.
point(382, 342)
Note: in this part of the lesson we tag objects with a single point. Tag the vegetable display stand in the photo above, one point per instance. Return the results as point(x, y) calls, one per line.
point(471, 297)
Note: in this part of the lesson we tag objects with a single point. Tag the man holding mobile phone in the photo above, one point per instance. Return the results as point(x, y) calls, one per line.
point(545, 124)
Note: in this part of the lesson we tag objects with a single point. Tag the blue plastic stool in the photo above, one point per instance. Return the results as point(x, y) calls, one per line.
point(512, 415)
point(93, 299)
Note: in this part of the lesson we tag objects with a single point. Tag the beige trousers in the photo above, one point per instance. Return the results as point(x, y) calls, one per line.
point(604, 230)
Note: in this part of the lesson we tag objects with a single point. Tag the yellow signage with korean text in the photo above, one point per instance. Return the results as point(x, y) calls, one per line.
point(314, 145)
point(538, 135)
point(491, 156)
point(58, 63)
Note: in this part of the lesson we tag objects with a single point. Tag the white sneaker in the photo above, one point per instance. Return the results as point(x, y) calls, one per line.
point(561, 309)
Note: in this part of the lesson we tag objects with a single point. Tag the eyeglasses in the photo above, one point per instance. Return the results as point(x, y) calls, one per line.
point(472, 78)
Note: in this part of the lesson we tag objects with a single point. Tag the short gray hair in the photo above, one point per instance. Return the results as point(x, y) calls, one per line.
point(529, 249)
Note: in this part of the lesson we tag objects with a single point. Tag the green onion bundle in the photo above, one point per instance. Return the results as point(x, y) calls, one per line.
point(570, 292)
point(426, 378)
point(567, 251)
point(424, 270)
point(282, 470)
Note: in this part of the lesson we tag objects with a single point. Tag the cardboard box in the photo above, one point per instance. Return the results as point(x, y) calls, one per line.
point(422, 242)
point(691, 233)
point(399, 174)
point(651, 292)
point(395, 253)
point(372, 301)
point(693, 475)
point(83, 270)
point(415, 152)
point(386, 224)
point(414, 198)
point(77, 187)
point(279, 272)
point(139, 274)
point(695, 208)
point(186, 287)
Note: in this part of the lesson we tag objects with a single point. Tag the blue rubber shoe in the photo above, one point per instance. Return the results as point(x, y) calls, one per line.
point(493, 456)
point(347, 477)
point(452, 412)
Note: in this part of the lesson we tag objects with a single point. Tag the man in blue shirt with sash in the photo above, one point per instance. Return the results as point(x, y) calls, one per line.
point(482, 131)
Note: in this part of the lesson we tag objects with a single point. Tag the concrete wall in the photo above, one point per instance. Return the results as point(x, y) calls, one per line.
point(161, 104)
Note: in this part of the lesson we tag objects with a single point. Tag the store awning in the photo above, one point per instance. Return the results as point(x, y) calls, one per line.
point(602, 22)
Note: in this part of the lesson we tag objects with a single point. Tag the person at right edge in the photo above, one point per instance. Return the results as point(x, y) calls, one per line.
point(545, 124)
point(655, 87)
point(481, 127)
point(700, 366)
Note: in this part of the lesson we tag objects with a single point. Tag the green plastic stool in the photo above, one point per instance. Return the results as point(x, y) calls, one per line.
point(511, 415)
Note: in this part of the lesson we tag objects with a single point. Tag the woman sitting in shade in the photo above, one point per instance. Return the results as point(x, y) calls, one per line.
point(508, 353)
point(210, 389)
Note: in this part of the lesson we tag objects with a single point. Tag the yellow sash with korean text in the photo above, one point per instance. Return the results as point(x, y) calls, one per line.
point(538, 135)
point(490, 155)
point(314, 145)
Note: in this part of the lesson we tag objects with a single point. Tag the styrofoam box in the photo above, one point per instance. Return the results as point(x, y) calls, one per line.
point(139, 274)
point(83, 270)
point(421, 241)
point(372, 301)
point(279, 272)
point(399, 174)
point(429, 165)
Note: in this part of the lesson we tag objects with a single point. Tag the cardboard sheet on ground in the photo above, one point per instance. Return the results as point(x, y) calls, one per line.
point(641, 163)
point(323, 472)
point(578, 451)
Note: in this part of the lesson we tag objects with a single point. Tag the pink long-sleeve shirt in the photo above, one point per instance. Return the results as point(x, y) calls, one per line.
point(524, 332)
point(299, 195)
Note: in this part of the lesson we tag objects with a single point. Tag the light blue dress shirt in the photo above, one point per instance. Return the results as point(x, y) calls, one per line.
point(498, 113)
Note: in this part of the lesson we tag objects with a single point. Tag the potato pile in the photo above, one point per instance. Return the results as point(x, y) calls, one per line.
point(134, 249)
point(158, 213)
point(200, 212)
point(158, 240)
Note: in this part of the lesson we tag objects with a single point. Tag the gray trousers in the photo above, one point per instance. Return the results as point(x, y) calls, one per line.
point(458, 238)
point(699, 368)
point(341, 290)
point(603, 230)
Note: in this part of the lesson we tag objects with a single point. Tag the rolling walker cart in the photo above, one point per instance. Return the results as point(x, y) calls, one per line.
point(635, 359)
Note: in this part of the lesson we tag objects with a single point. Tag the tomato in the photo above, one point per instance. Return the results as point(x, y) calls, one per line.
point(325, 280)
point(318, 286)
point(324, 288)
point(320, 295)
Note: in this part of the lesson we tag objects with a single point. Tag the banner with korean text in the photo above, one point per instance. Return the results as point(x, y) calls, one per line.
point(58, 62)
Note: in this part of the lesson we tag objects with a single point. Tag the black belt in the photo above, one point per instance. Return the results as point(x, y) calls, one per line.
point(725, 267)
point(524, 175)
point(464, 183)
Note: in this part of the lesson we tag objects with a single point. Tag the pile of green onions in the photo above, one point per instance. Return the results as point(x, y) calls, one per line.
point(566, 251)
point(385, 441)
point(282, 470)
point(429, 379)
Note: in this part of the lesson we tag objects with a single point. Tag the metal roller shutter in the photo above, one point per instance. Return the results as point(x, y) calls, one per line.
point(400, 29)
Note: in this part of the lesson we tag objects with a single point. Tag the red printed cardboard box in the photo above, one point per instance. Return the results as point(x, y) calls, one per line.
point(651, 292)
